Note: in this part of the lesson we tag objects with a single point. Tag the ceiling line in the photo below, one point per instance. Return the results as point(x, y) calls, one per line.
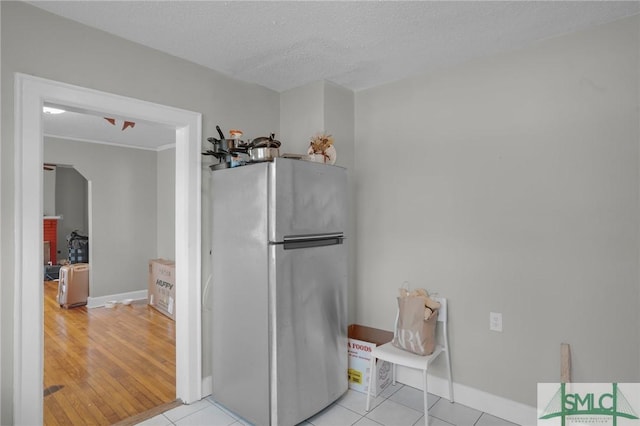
point(100, 142)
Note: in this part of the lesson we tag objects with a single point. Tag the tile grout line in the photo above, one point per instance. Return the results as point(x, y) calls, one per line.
point(238, 421)
point(185, 416)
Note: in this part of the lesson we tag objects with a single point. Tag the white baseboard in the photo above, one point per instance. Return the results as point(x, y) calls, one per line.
point(498, 406)
point(95, 302)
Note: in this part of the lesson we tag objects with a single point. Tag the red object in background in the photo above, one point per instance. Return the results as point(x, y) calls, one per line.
point(128, 124)
point(125, 125)
point(50, 233)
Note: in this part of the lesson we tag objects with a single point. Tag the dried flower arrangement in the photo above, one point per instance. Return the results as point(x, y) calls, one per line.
point(321, 142)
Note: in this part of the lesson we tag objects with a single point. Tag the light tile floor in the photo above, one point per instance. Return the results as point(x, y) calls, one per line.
point(397, 405)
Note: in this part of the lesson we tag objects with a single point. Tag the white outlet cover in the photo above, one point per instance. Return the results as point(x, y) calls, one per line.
point(495, 321)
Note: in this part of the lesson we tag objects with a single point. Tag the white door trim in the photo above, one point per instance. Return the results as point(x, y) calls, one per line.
point(30, 95)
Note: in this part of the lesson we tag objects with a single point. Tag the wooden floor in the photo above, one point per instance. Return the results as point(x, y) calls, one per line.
point(102, 366)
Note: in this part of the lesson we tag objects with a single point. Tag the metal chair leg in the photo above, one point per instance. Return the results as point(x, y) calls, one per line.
point(393, 374)
point(450, 380)
point(426, 404)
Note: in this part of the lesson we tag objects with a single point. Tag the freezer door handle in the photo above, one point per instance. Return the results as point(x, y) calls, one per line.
point(306, 241)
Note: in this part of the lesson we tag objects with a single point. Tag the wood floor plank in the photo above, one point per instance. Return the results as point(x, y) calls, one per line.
point(66, 402)
point(95, 403)
point(55, 413)
point(87, 404)
point(103, 366)
point(109, 405)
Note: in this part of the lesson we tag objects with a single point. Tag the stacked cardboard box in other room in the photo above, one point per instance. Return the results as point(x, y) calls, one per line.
point(162, 289)
point(361, 342)
point(46, 252)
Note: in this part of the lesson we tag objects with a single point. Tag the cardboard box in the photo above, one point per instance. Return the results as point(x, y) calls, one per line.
point(361, 341)
point(162, 289)
point(46, 252)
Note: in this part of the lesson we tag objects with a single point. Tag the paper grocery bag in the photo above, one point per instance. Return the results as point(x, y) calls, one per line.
point(413, 332)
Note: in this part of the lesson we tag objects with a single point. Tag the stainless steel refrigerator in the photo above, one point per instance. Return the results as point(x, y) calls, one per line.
point(279, 289)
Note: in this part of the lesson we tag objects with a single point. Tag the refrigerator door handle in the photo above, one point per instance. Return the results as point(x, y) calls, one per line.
point(306, 241)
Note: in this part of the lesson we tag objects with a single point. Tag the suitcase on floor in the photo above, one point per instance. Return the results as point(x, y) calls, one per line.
point(73, 285)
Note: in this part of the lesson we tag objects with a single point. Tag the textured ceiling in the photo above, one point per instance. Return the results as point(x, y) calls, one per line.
point(358, 45)
point(286, 44)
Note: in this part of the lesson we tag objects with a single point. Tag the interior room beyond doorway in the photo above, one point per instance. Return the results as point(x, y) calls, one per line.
point(30, 94)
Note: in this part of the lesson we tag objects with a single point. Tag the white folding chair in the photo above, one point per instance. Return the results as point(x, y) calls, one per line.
point(397, 356)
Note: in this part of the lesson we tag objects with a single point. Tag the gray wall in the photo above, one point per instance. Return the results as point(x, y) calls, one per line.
point(71, 201)
point(123, 210)
point(70, 197)
point(510, 184)
point(49, 192)
point(339, 110)
point(323, 106)
point(165, 210)
point(301, 116)
point(41, 44)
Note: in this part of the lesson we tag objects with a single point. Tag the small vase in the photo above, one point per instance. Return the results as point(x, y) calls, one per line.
point(317, 158)
point(328, 157)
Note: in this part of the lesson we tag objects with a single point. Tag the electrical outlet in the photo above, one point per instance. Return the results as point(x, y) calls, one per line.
point(495, 321)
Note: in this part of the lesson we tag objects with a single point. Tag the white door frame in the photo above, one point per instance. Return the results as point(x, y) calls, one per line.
point(28, 356)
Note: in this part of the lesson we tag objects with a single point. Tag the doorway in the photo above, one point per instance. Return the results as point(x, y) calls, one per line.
point(66, 198)
point(31, 93)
